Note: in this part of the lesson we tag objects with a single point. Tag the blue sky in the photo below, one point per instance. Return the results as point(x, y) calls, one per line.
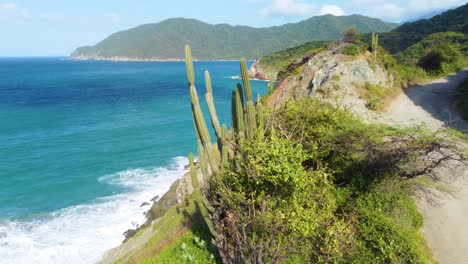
point(57, 27)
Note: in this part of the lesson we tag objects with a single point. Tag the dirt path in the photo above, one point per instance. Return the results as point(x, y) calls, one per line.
point(429, 103)
point(446, 224)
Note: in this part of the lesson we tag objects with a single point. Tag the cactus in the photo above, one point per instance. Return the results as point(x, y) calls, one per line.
point(270, 86)
point(211, 107)
point(247, 121)
point(375, 43)
point(202, 202)
point(238, 112)
point(250, 118)
point(199, 119)
point(202, 159)
point(260, 117)
point(193, 171)
point(245, 80)
point(224, 149)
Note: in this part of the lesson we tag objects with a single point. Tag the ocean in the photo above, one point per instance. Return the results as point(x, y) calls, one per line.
point(84, 143)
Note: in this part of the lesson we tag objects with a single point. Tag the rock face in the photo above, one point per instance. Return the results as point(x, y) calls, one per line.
point(256, 72)
point(331, 75)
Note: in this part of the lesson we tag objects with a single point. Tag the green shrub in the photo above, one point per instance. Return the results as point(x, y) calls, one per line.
point(376, 95)
point(375, 104)
point(372, 200)
point(441, 60)
point(275, 207)
point(351, 50)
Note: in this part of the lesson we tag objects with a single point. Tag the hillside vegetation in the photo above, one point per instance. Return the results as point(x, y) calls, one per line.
point(408, 34)
point(165, 40)
point(308, 181)
point(271, 64)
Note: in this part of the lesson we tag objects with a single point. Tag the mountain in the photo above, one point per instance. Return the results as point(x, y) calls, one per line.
point(165, 40)
point(408, 34)
point(426, 15)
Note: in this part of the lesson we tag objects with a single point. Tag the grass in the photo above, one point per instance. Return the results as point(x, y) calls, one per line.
point(182, 224)
point(460, 99)
point(275, 62)
point(377, 97)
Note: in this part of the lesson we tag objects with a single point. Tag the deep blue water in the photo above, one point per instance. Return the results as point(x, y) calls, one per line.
point(83, 138)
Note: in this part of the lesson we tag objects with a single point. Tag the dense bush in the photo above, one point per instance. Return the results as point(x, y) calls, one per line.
point(442, 59)
point(351, 50)
point(275, 208)
point(322, 187)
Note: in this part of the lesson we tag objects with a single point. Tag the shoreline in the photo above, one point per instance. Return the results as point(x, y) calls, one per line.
point(127, 59)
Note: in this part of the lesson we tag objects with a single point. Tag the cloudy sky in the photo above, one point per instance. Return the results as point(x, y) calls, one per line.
point(57, 27)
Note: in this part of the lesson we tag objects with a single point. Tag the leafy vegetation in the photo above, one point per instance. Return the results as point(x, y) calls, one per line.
point(181, 224)
point(321, 187)
point(165, 40)
point(438, 54)
point(376, 96)
point(409, 34)
point(277, 61)
point(460, 99)
point(351, 50)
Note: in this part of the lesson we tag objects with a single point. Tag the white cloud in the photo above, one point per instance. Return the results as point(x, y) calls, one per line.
point(115, 18)
point(11, 9)
point(432, 5)
point(386, 10)
point(287, 8)
point(331, 9)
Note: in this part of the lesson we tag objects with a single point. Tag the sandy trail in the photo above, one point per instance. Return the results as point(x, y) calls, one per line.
point(446, 224)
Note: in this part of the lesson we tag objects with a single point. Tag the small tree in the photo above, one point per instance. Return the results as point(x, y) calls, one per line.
point(351, 35)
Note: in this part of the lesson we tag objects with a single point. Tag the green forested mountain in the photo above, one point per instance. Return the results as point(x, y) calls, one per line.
point(408, 34)
point(165, 40)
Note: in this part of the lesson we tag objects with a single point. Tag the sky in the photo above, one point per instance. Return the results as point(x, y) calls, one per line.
point(57, 27)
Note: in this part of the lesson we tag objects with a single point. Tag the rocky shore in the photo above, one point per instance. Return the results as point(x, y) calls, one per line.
point(136, 238)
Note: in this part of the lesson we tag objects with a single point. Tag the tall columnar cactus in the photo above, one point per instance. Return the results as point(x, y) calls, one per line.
point(202, 160)
point(260, 117)
point(245, 80)
point(203, 204)
point(211, 107)
point(270, 86)
point(238, 112)
point(375, 43)
point(199, 119)
point(250, 113)
point(224, 149)
point(247, 121)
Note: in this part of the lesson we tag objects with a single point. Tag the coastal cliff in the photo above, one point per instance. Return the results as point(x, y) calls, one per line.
point(336, 77)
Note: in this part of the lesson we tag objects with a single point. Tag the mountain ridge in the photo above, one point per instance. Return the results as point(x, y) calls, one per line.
point(164, 40)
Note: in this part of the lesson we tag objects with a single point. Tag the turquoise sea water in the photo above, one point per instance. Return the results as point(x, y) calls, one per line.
point(84, 143)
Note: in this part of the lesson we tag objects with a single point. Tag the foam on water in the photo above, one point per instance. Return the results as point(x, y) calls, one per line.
point(83, 233)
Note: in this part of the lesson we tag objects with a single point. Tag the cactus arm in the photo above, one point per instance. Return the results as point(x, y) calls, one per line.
point(211, 106)
point(246, 80)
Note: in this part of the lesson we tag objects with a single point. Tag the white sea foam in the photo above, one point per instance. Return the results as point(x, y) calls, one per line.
point(238, 77)
point(83, 233)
